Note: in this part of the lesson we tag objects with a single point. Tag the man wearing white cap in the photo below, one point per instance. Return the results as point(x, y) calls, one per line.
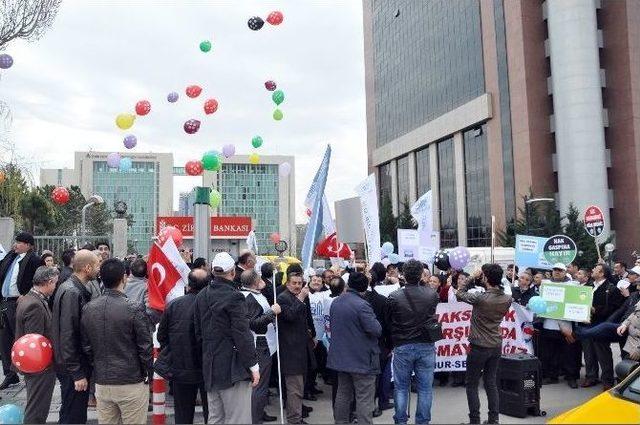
point(229, 360)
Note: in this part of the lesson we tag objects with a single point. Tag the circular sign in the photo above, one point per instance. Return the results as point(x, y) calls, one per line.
point(560, 249)
point(281, 246)
point(594, 221)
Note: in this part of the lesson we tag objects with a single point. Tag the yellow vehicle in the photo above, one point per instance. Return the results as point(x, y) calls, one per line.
point(620, 405)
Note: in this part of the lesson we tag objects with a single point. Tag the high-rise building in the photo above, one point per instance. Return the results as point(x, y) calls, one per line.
point(486, 101)
point(186, 201)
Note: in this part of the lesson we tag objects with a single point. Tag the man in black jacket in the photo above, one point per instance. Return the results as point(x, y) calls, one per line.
point(16, 275)
point(117, 342)
point(261, 318)
point(66, 270)
point(178, 362)
point(229, 361)
point(72, 365)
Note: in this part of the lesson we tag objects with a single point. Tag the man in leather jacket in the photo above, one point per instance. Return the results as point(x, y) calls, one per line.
point(116, 340)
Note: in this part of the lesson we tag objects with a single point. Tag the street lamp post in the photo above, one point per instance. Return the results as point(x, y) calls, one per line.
point(93, 200)
point(527, 202)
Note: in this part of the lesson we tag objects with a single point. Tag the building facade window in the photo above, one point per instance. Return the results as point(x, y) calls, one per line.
point(427, 61)
point(448, 204)
point(423, 179)
point(384, 173)
point(478, 196)
point(403, 182)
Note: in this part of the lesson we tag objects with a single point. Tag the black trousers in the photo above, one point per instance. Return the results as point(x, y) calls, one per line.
point(484, 362)
point(73, 409)
point(556, 354)
point(184, 402)
point(39, 392)
point(8, 311)
point(260, 393)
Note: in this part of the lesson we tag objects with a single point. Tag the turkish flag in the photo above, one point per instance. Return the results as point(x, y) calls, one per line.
point(167, 274)
point(330, 247)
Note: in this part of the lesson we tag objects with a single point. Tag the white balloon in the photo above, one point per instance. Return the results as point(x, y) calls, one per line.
point(284, 169)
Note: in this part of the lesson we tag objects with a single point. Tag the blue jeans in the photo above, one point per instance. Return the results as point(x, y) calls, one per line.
point(421, 359)
point(606, 331)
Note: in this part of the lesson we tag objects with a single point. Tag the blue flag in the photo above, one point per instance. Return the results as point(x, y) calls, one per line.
point(314, 228)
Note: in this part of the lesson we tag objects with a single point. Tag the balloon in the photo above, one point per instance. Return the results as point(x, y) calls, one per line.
point(459, 257)
point(170, 232)
point(537, 304)
point(210, 106)
point(211, 161)
point(205, 46)
point(275, 18)
point(113, 160)
point(254, 159)
point(32, 353)
point(256, 142)
point(387, 248)
point(278, 115)
point(125, 164)
point(173, 97)
point(255, 23)
point(191, 126)
point(284, 169)
point(394, 258)
point(125, 121)
point(6, 61)
point(270, 85)
point(441, 260)
point(228, 150)
point(193, 91)
point(193, 168)
point(278, 97)
point(11, 414)
point(143, 107)
point(275, 237)
point(60, 195)
point(130, 141)
point(308, 212)
point(215, 198)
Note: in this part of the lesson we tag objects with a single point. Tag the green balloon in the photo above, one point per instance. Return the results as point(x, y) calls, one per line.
point(256, 142)
point(215, 198)
point(211, 161)
point(278, 115)
point(278, 97)
point(205, 46)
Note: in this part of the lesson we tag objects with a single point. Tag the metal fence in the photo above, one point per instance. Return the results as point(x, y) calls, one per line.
point(57, 244)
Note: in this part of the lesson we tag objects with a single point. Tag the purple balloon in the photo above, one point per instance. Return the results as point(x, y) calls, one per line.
point(5, 61)
point(113, 160)
point(130, 141)
point(173, 97)
point(459, 257)
point(228, 150)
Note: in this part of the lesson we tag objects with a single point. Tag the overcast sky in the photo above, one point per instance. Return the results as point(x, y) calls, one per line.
point(100, 57)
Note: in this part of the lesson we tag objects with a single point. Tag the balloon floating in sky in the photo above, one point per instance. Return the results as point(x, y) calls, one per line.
point(193, 91)
point(193, 168)
point(254, 159)
point(210, 106)
point(6, 61)
point(275, 18)
point(113, 160)
point(255, 23)
point(205, 46)
point(125, 121)
point(172, 97)
point(125, 164)
point(278, 97)
point(211, 161)
point(228, 150)
point(215, 198)
point(256, 142)
point(284, 169)
point(143, 107)
point(270, 85)
point(60, 195)
point(11, 414)
point(191, 126)
point(130, 141)
point(170, 232)
point(278, 115)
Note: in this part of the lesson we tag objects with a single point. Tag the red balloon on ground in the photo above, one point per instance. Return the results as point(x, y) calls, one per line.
point(60, 195)
point(275, 18)
point(210, 106)
point(32, 353)
point(275, 237)
point(143, 107)
point(193, 91)
point(193, 168)
point(170, 232)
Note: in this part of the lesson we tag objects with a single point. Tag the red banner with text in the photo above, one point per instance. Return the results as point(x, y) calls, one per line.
point(221, 227)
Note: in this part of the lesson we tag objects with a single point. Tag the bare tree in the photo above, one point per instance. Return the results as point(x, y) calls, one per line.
point(26, 19)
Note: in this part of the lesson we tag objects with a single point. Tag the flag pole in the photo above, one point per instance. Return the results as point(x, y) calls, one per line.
point(275, 299)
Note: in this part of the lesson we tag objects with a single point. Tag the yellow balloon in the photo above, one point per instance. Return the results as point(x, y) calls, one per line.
point(254, 158)
point(125, 121)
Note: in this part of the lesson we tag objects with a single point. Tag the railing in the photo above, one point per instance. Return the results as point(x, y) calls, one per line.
point(57, 244)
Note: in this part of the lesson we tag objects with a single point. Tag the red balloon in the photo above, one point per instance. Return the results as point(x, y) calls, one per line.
point(308, 212)
point(193, 91)
point(60, 195)
point(275, 18)
point(275, 237)
point(170, 232)
point(210, 106)
point(193, 168)
point(191, 126)
point(32, 353)
point(270, 85)
point(143, 107)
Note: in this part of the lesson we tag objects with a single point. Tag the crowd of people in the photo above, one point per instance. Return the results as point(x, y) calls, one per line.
point(242, 328)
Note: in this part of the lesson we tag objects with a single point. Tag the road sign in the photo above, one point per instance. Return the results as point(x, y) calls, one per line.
point(594, 221)
point(560, 249)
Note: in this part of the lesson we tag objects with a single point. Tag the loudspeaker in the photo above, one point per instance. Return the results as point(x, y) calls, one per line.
point(519, 381)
